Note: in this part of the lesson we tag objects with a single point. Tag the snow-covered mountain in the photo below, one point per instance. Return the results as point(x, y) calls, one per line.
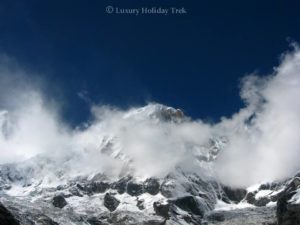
point(74, 188)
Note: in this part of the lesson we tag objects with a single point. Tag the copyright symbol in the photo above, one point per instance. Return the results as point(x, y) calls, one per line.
point(109, 9)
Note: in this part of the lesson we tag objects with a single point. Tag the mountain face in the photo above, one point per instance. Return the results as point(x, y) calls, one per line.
point(51, 189)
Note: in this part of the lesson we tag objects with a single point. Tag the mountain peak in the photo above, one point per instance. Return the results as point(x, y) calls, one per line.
point(157, 112)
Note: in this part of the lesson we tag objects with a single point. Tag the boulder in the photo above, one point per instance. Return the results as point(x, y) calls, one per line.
point(59, 201)
point(110, 202)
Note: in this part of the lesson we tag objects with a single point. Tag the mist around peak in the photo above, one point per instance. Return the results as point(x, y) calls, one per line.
point(262, 139)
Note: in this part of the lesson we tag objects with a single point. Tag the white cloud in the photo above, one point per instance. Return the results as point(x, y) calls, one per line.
point(30, 124)
point(268, 146)
point(263, 137)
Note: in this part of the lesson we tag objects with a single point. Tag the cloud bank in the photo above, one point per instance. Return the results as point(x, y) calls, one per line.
point(29, 124)
point(264, 143)
point(263, 140)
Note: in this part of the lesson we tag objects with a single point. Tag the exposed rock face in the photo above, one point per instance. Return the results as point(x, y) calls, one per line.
point(151, 185)
point(235, 194)
point(140, 204)
point(169, 114)
point(135, 189)
point(6, 218)
point(110, 202)
point(265, 194)
point(193, 206)
point(161, 209)
point(261, 201)
point(288, 211)
point(189, 198)
point(268, 186)
point(59, 201)
point(198, 196)
point(189, 204)
point(94, 187)
point(26, 213)
point(99, 187)
point(250, 197)
point(75, 192)
point(121, 185)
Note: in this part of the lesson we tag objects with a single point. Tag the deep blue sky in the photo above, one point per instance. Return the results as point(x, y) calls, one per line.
point(191, 61)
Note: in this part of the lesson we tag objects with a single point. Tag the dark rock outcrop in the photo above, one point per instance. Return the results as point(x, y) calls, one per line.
point(75, 192)
point(27, 214)
point(94, 187)
point(268, 186)
point(288, 213)
point(161, 209)
point(191, 184)
point(6, 218)
point(140, 204)
point(135, 189)
point(250, 197)
point(110, 202)
point(235, 194)
point(59, 201)
point(96, 221)
point(189, 204)
point(121, 185)
point(262, 201)
point(151, 186)
point(99, 187)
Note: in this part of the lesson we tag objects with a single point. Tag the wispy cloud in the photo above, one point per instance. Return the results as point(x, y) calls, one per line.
point(263, 137)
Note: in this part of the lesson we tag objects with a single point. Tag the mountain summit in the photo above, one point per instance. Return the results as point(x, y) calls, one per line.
point(157, 112)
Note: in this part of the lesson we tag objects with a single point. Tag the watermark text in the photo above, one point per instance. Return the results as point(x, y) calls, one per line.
point(145, 11)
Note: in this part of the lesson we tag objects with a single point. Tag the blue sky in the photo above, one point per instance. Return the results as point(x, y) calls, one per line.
point(192, 61)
